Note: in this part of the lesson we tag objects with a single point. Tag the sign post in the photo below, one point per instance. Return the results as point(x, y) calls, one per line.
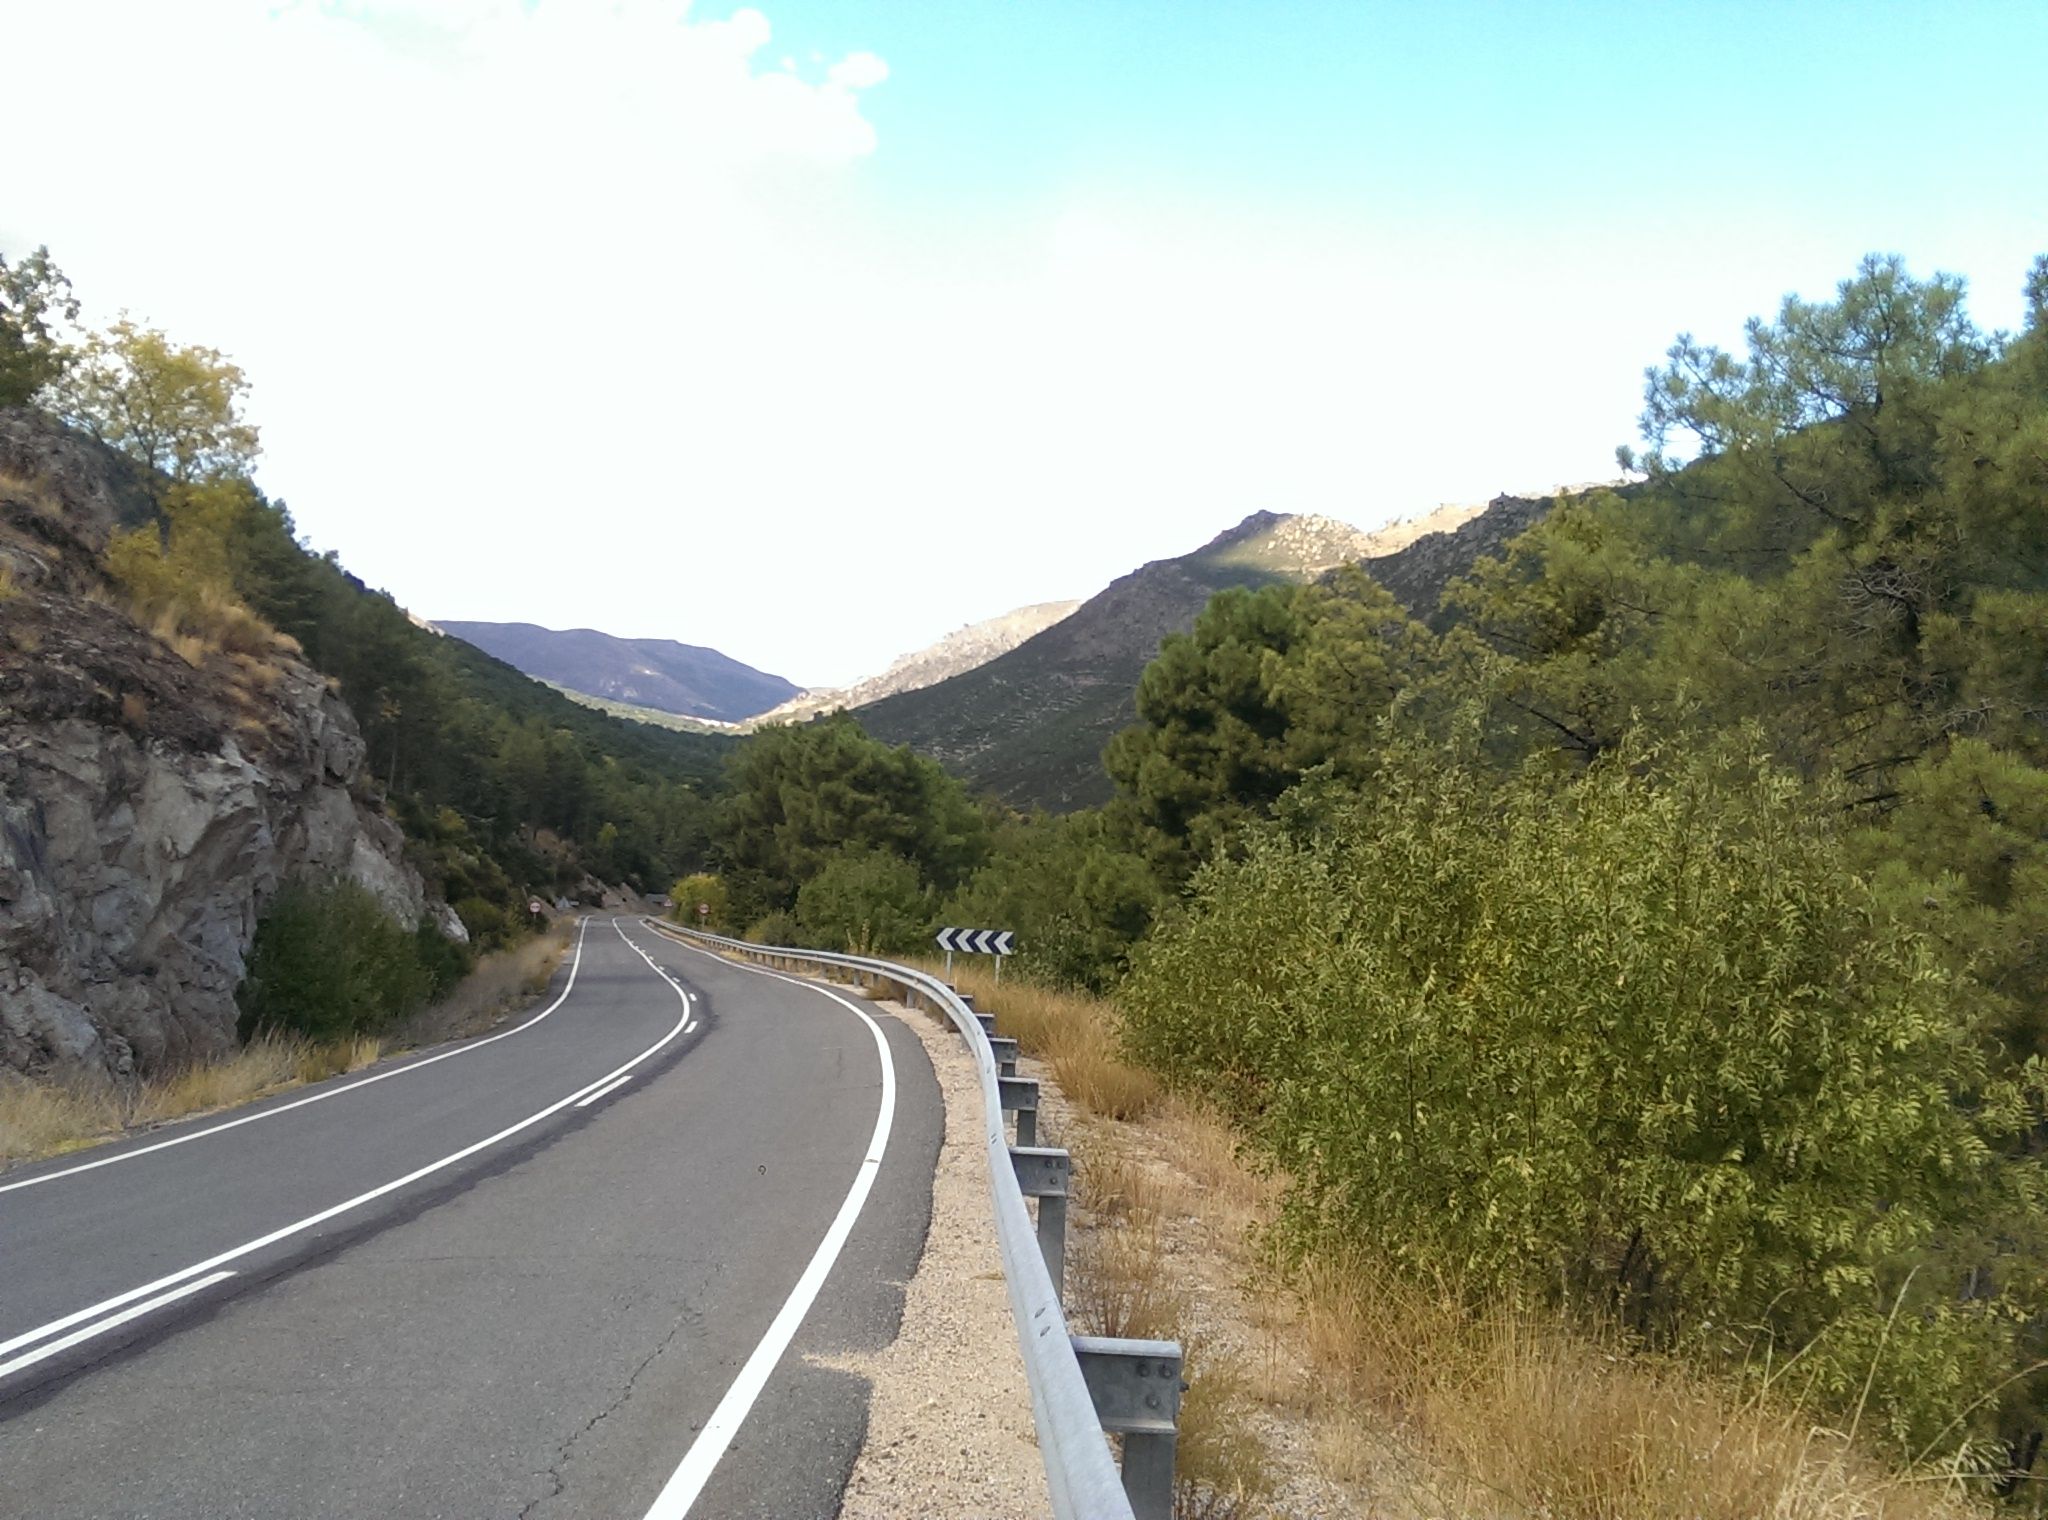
point(703, 914)
point(996, 942)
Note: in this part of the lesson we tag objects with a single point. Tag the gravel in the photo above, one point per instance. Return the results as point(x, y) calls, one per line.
point(949, 1418)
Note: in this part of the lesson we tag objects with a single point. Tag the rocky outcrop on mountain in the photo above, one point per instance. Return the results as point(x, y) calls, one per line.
point(155, 792)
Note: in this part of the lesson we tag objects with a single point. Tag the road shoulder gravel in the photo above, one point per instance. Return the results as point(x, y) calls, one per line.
point(949, 1416)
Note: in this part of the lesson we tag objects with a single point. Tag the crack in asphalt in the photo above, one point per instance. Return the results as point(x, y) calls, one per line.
point(688, 1317)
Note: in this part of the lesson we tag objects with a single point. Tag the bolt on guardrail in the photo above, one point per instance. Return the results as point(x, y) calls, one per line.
point(1081, 1386)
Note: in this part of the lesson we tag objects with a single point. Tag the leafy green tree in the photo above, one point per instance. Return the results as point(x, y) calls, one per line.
point(701, 887)
point(34, 298)
point(175, 409)
point(1267, 686)
point(799, 795)
point(1074, 892)
point(1855, 564)
point(1211, 748)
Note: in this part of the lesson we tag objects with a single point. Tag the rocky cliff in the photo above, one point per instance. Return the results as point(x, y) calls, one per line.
point(154, 792)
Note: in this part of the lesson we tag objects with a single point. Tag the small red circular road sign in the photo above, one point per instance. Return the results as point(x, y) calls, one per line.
point(703, 910)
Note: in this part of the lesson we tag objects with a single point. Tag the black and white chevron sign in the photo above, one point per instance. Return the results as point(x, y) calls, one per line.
point(977, 941)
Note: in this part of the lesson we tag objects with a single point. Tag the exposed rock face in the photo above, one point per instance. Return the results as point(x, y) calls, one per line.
point(150, 806)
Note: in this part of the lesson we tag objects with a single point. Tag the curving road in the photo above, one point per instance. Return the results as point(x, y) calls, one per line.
point(615, 1261)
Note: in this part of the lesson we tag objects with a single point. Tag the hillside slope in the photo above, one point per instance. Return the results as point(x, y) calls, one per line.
point(685, 679)
point(1418, 572)
point(957, 653)
point(1030, 725)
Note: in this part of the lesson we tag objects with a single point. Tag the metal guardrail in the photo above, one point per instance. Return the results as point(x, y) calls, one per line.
point(1081, 1386)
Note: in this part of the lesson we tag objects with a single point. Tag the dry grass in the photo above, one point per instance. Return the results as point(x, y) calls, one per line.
point(1123, 1279)
point(503, 981)
point(1117, 1282)
point(30, 492)
point(8, 590)
point(1222, 1470)
point(1513, 1412)
point(197, 628)
point(1073, 1033)
point(48, 1118)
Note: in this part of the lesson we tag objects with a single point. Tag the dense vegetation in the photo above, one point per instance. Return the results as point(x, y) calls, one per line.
point(1670, 939)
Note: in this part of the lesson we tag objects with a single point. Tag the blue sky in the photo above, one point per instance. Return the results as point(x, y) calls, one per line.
point(811, 331)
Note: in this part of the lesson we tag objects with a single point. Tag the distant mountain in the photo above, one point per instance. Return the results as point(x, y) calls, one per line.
point(958, 652)
point(1030, 724)
point(657, 673)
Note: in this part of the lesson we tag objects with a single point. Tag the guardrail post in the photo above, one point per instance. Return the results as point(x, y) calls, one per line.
point(1005, 1054)
point(1020, 1096)
point(1136, 1386)
point(1047, 1175)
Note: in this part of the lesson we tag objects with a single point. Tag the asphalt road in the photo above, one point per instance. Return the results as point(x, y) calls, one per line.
point(487, 1283)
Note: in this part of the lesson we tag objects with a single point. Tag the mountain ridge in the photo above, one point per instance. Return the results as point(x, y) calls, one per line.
point(688, 680)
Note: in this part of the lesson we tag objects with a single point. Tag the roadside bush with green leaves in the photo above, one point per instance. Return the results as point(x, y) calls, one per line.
point(776, 929)
point(701, 889)
point(867, 901)
point(1642, 1041)
point(1071, 889)
point(328, 963)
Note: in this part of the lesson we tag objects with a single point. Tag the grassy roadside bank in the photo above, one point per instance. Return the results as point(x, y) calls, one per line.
point(40, 1119)
point(1403, 1400)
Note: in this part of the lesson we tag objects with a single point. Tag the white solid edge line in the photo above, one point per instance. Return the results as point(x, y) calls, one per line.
point(612, 1086)
point(690, 1476)
point(318, 1097)
point(41, 1353)
point(313, 1220)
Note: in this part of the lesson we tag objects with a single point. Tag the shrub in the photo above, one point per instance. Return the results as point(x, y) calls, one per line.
point(701, 888)
point(776, 929)
point(328, 963)
point(490, 925)
point(866, 901)
point(1640, 1041)
point(446, 961)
